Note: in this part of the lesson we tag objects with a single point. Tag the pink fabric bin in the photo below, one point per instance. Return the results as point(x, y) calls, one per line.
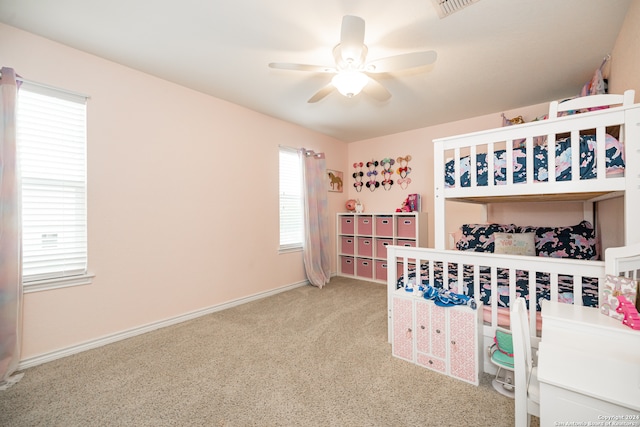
point(364, 268)
point(407, 243)
point(347, 245)
point(406, 226)
point(347, 224)
point(365, 246)
point(347, 265)
point(384, 226)
point(365, 225)
point(381, 270)
point(381, 247)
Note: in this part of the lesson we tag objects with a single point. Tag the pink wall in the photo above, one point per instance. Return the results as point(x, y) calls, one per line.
point(182, 198)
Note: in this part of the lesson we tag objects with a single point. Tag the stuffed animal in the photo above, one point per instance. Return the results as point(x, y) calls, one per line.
point(405, 206)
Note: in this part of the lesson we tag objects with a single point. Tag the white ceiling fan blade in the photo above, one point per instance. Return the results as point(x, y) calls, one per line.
point(302, 67)
point(351, 38)
point(402, 62)
point(321, 93)
point(374, 89)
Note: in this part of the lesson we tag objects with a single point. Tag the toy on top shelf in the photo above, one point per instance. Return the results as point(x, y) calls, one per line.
point(410, 204)
point(631, 316)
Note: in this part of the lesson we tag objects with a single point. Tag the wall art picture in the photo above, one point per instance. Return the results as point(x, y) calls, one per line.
point(334, 180)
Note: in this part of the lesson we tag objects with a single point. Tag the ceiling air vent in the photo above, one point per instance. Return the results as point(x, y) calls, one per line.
point(447, 7)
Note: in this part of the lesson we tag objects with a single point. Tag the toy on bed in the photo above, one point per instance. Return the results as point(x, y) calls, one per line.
point(440, 296)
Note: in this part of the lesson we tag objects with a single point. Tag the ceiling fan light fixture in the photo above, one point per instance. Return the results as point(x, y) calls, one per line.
point(349, 82)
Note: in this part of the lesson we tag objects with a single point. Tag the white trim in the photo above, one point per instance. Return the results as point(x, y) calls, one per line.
point(56, 283)
point(288, 249)
point(45, 89)
point(109, 339)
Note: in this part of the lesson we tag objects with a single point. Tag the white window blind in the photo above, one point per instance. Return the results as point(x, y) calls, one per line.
point(51, 139)
point(291, 204)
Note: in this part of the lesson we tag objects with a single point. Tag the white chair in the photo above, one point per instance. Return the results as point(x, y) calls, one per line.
point(527, 390)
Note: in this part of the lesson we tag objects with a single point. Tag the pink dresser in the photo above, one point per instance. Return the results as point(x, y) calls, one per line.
point(443, 339)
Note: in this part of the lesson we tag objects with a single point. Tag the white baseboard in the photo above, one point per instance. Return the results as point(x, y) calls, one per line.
point(99, 342)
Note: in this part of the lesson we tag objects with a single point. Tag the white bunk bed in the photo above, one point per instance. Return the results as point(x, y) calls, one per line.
point(481, 271)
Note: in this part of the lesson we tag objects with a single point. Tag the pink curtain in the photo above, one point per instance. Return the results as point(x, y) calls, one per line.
point(10, 233)
point(317, 261)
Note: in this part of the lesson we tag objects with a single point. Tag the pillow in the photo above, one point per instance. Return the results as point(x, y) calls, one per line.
point(479, 237)
point(515, 243)
point(614, 286)
point(577, 241)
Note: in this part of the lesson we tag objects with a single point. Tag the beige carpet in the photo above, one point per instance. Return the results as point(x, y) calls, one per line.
point(306, 357)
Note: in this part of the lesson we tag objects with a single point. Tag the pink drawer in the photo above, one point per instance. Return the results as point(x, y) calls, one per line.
point(381, 247)
point(406, 243)
point(347, 245)
point(431, 362)
point(365, 246)
point(381, 270)
point(365, 225)
point(406, 226)
point(384, 226)
point(347, 265)
point(347, 224)
point(364, 268)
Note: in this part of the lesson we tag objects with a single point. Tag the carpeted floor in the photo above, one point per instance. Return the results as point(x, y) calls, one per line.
point(305, 357)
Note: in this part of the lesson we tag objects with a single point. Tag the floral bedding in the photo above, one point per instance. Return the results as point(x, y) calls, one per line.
point(615, 162)
point(565, 285)
point(575, 241)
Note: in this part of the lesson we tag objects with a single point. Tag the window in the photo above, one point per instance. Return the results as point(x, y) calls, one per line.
point(51, 140)
point(291, 205)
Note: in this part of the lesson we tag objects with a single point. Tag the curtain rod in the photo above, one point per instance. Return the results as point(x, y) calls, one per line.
point(49, 87)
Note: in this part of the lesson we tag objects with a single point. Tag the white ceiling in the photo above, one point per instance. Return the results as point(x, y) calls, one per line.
point(492, 56)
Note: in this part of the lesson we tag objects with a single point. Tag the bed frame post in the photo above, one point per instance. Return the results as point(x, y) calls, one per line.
point(632, 190)
point(587, 213)
point(392, 273)
point(440, 224)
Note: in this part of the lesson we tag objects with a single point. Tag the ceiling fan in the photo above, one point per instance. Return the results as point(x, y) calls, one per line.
point(352, 73)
